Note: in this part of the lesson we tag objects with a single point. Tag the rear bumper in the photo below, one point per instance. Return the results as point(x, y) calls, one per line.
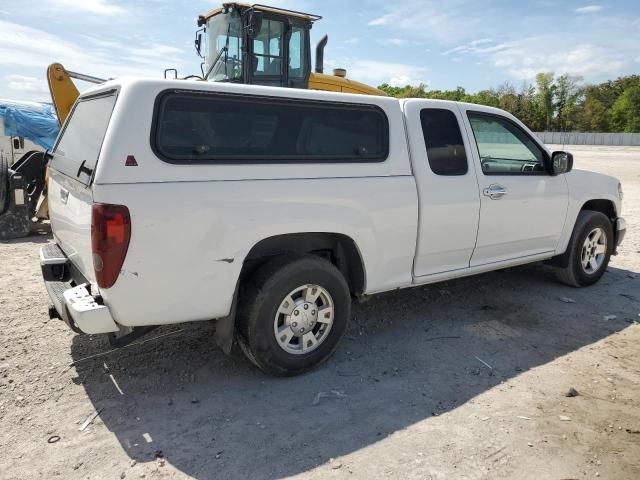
point(620, 231)
point(71, 296)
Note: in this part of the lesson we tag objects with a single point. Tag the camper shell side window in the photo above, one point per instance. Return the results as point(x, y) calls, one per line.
point(204, 128)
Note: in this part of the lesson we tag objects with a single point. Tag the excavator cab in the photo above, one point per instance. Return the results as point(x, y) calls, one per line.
point(255, 44)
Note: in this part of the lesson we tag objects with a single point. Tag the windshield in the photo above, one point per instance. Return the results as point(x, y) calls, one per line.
point(224, 43)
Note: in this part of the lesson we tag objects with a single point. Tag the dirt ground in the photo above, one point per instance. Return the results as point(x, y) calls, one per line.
point(465, 379)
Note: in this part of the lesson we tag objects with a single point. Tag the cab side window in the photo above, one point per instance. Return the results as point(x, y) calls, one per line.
point(443, 139)
point(296, 56)
point(504, 148)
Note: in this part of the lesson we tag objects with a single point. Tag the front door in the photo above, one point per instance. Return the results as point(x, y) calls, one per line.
point(522, 207)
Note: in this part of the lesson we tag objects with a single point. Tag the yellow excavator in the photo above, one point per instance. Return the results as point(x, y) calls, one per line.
point(241, 43)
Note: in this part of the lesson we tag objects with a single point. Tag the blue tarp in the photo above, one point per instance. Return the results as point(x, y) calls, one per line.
point(34, 121)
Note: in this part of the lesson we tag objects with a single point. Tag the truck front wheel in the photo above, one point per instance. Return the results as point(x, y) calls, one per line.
point(292, 314)
point(589, 250)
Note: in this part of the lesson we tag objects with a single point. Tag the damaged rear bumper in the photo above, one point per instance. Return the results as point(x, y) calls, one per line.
point(70, 293)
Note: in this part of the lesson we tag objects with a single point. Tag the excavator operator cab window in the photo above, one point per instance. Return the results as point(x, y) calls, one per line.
point(223, 58)
point(297, 57)
point(268, 51)
point(256, 47)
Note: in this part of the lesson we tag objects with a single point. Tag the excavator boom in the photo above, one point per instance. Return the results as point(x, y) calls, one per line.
point(63, 91)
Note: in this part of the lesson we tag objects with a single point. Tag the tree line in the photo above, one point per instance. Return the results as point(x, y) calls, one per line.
point(552, 103)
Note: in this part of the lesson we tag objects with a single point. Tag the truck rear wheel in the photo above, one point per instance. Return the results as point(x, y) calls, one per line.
point(292, 314)
point(589, 250)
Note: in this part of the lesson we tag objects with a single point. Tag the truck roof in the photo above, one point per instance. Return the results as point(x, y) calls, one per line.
point(126, 83)
point(159, 84)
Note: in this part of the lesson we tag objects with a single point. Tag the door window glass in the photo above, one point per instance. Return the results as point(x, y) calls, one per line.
point(267, 49)
point(442, 137)
point(504, 148)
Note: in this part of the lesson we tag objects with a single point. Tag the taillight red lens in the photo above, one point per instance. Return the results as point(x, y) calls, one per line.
point(110, 235)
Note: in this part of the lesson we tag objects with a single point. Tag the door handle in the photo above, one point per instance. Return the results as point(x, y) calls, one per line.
point(64, 195)
point(494, 191)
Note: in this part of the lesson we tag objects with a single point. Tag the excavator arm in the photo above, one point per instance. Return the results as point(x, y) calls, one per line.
point(64, 93)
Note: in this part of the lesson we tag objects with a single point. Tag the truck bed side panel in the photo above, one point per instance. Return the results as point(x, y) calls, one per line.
point(189, 239)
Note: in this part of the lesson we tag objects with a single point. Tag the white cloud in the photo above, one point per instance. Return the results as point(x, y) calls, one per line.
point(383, 20)
point(512, 42)
point(525, 58)
point(97, 7)
point(398, 42)
point(404, 80)
point(427, 18)
point(476, 47)
point(589, 9)
point(458, 49)
point(352, 41)
point(374, 72)
point(480, 41)
point(23, 83)
point(30, 50)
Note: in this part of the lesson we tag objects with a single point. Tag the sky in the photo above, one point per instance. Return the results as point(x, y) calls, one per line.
point(475, 44)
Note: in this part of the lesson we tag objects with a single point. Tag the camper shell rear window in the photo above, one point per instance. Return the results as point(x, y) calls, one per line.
point(78, 148)
point(204, 128)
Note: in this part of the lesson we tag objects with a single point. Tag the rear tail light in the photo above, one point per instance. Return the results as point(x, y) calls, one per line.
point(110, 235)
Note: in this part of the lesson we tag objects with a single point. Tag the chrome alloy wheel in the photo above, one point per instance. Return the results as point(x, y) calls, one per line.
point(304, 319)
point(594, 250)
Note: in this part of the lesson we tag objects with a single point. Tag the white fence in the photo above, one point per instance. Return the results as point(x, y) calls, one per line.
point(586, 138)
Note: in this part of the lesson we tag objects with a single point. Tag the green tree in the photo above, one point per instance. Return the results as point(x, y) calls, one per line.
point(545, 90)
point(625, 113)
point(529, 111)
point(567, 94)
point(594, 115)
point(559, 103)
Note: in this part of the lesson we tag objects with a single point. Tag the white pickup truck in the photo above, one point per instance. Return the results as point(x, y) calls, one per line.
point(267, 209)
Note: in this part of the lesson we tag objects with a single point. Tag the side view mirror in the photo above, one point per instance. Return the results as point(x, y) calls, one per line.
point(561, 162)
point(198, 42)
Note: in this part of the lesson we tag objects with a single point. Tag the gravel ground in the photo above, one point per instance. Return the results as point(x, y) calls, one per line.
point(465, 379)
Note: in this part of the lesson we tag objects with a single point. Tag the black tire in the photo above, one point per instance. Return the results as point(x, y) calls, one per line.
point(4, 183)
point(260, 300)
point(574, 274)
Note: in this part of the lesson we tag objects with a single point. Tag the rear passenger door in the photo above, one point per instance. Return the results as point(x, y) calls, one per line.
point(449, 203)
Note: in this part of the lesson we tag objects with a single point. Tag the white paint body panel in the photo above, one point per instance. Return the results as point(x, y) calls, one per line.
point(193, 225)
point(584, 186)
point(178, 255)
